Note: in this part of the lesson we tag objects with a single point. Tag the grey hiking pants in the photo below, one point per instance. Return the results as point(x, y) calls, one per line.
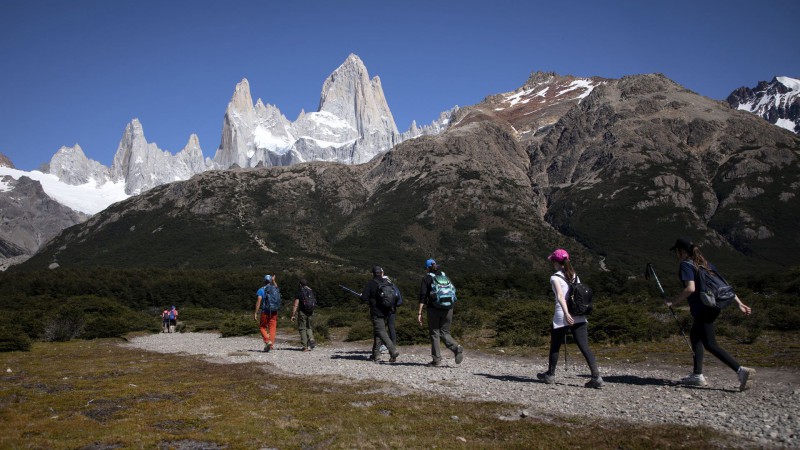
point(304, 327)
point(379, 331)
point(439, 321)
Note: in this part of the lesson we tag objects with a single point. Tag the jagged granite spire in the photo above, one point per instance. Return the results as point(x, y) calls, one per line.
point(72, 166)
point(142, 165)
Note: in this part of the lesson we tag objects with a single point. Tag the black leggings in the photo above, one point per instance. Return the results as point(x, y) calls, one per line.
point(579, 332)
point(702, 336)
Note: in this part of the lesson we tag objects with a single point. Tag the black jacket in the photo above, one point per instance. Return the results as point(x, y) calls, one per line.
point(370, 295)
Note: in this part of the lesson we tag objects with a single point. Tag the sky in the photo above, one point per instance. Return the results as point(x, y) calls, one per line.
point(78, 71)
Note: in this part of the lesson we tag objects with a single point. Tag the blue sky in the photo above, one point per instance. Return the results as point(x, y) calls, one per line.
point(78, 71)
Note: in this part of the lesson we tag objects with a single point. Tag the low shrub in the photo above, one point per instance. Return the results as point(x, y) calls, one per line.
point(522, 322)
point(238, 325)
point(14, 339)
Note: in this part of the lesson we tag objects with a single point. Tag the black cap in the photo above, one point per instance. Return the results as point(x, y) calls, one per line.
point(377, 270)
point(683, 243)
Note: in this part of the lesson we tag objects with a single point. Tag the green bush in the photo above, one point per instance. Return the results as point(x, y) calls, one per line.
point(66, 324)
point(522, 322)
point(623, 323)
point(13, 339)
point(341, 319)
point(238, 325)
point(360, 331)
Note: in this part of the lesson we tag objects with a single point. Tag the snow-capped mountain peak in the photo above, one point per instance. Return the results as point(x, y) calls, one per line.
point(777, 101)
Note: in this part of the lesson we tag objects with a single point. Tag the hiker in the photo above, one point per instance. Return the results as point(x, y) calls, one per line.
point(268, 303)
point(440, 316)
point(304, 302)
point(372, 294)
point(563, 321)
point(389, 320)
point(172, 316)
point(702, 334)
point(165, 320)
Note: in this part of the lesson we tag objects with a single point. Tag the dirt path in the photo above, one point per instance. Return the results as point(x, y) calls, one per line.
point(769, 414)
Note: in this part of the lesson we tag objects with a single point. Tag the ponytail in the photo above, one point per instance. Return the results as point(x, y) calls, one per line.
point(697, 257)
point(569, 272)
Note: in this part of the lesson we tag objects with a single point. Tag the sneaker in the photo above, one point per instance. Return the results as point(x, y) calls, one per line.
point(434, 363)
point(384, 349)
point(266, 347)
point(745, 378)
point(695, 379)
point(311, 345)
point(393, 358)
point(459, 354)
point(595, 383)
point(546, 377)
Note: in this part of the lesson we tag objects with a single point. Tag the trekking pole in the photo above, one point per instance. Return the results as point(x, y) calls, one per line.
point(347, 289)
point(650, 270)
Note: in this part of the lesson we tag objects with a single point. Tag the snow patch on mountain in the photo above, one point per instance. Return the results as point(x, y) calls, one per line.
point(90, 198)
point(777, 101)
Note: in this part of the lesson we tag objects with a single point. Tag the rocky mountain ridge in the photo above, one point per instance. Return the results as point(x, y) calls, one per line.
point(612, 169)
point(777, 101)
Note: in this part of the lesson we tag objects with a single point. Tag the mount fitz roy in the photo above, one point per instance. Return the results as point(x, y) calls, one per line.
point(352, 125)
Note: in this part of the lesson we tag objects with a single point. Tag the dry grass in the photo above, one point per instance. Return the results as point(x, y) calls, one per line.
point(96, 394)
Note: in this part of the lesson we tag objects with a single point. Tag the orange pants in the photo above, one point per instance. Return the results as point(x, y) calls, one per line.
point(268, 319)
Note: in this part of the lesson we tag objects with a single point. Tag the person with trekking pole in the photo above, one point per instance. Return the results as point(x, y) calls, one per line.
point(438, 294)
point(702, 334)
point(268, 302)
point(563, 321)
point(379, 293)
point(303, 309)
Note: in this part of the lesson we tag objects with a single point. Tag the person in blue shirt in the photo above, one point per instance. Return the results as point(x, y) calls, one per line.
point(702, 334)
point(267, 305)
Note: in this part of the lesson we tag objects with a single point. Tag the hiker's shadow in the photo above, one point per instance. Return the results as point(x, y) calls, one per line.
point(636, 380)
point(514, 378)
point(648, 381)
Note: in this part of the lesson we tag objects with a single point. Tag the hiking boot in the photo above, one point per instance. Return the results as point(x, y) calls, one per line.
point(393, 358)
point(267, 347)
point(745, 378)
point(459, 354)
point(306, 349)
point(312, 344)
point(695, 379)
point(595, 383)
point(384, 349)
point(546, 377)
point(434, 363)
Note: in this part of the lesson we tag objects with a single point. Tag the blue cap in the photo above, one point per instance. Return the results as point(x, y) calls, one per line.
point(268, 278)
point(429, 263)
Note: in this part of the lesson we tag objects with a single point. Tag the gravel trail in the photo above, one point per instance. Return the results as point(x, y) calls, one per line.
point(768, 415)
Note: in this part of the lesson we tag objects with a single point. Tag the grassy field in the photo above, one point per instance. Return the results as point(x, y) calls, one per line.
point(99, 395)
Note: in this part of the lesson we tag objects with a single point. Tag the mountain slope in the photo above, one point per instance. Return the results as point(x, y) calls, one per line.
point(608, 168)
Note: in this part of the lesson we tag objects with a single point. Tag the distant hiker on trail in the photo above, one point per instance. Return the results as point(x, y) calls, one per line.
point(563, 321)
point(172, 315)
point(379, 294)
point(438, 294)
point(165, 320)
point(702, 334)
point(304, 302)
point(267, 304)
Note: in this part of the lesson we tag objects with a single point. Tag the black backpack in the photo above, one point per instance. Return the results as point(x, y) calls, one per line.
point(387, 295)
point(714, 290)
point(309, 299)
point(578, 297)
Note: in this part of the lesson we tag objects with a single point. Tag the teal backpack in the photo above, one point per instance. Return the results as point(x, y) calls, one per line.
point(443, 293)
